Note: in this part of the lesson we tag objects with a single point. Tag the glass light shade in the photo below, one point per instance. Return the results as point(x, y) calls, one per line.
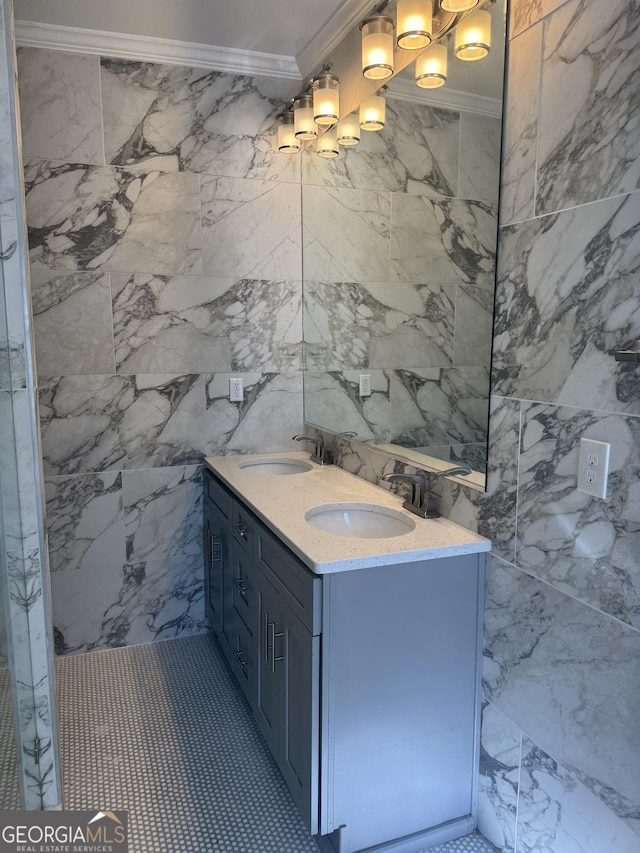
point(431, 67)
point(287, 142)
point(348, 130)
point(327, 145)
point(372, 111)
point(458, 5)
point(377, 47)
point(305, 126)
point(473, 36)
point(326, 99)
point(414, 23)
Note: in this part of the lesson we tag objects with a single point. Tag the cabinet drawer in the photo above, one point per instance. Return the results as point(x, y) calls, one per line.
point(243, 526)
point(216, 492)
point(299, 587)
point(244, 588)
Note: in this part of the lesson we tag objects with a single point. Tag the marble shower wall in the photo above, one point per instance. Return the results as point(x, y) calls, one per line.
point(165, 250)
point(561, 749)
point(399, 239)
point(24, 578)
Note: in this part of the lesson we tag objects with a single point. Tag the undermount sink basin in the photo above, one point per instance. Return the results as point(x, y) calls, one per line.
point(365, 521)
point(276, 466)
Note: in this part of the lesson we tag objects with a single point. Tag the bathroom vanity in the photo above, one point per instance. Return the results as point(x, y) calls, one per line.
point(359, 655)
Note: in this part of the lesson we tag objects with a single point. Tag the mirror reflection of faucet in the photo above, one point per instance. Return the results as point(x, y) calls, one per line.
point(419, 501)
point(320, 453)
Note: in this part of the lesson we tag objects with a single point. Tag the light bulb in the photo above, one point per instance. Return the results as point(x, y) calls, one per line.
point(348, 130)
point(326, 99)
point(473, 36)
point(305, 126)
point(372, 111)
point(287, 142)
point(377, 47)
point(431, 67)
point(414, 23)
point(327, 145)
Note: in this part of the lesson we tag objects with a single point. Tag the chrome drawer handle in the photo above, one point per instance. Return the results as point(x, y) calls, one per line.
point(241, 528)
point(238, 657)
point(242, 585)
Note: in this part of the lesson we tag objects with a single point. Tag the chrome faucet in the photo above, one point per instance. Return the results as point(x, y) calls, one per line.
point(320, 453)
point(419, 502)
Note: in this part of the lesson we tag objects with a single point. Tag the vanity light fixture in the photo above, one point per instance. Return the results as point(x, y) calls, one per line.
point(348, 130)
point(473, 36)
point(377, 47)
point(326, 99)
point(372, 110)
point(458, 5)
point(305, 126)
point(327, 144)
point(414, 24)
point(431, 67)
point(287, 142)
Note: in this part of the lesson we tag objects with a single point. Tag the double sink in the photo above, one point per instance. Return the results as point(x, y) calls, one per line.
point(362, 520)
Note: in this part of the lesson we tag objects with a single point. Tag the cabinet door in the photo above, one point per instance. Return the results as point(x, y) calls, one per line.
point(267, 697)
point(245, 651)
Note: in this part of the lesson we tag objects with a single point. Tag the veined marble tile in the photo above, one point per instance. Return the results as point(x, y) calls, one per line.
point(109, 219)
point(499, 778)
point(7, 147)
point(332, 401)
point(589, 118)
point(447, 241)
point(163, 513)
point(134, 603)
point(265, 421)
point(194, 120)
point(251, 229)
point(417, 152)
point(520, 133)
point(85, 521)
point(101, 423)
point(350, 325)
point(568, 676)
point(479, 157)
point(557, 812)
point(73, 329)
point(12, 330)
point(585, 546)
point(201, 323)
point(474, 325)
point(345, 234)
point(524, 13)
point(439, 406)
point(60, 109)
point(568, 295)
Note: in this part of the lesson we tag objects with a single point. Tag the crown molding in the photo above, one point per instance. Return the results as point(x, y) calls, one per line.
point(449, 99)
point(149, 49)
point(331, 34)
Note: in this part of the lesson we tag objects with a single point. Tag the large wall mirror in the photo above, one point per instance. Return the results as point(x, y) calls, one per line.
point(399, 256)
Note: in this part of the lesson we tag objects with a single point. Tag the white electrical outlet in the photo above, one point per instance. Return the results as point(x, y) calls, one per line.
point(236, 391)
point(365, 385)
point(593, 467)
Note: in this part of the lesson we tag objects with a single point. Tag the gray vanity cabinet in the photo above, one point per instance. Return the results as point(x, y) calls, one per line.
point(218, 589)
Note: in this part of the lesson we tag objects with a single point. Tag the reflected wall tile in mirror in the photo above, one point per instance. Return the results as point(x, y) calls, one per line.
point(524, 13)
point(473, 325)
point(587, 145)
point(13, 355)
point(585, 546)
point(85, 522)
point(108, 219)
point(568, 296)
point(447, 241)
point(520, 133)
point(479, 157)
point(187, 119)
point(72, 322)
point(345, 234)
point(60, 107)
point(332, 400)
point(264, 422)
point(251, 228)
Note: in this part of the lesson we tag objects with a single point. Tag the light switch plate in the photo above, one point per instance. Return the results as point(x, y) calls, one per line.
point(593, 467)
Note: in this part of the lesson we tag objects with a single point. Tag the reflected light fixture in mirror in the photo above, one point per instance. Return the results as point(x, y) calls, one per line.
point(431, 67)
point(287, 142)
point(372, 111)
point(377, 47)
point(348, 131)
point(414, 23)
point(327, 145)
point(326, 99)
point(305, 126)
point(473, 37)
point(458, 5)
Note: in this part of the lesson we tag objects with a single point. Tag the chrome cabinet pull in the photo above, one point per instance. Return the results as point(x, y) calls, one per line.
point(266, 637)
point(241, 528)
point(216, 556)
point(238, 656)
point(274, 637)
point(209, 548)
point(242, 584)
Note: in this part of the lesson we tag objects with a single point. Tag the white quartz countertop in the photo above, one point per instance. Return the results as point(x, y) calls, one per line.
point(281, 502)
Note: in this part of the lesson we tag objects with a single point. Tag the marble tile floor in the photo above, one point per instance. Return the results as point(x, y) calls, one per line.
point(162, 731)
point(9, 791)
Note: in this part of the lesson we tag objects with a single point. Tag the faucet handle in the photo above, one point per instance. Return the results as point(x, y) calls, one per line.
point(320, 453)
point(419, 500)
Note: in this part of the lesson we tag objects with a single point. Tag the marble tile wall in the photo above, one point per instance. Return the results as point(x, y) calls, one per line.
point(560, 756)
point(164, 238)
point(26, 649)
point(408, 297)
